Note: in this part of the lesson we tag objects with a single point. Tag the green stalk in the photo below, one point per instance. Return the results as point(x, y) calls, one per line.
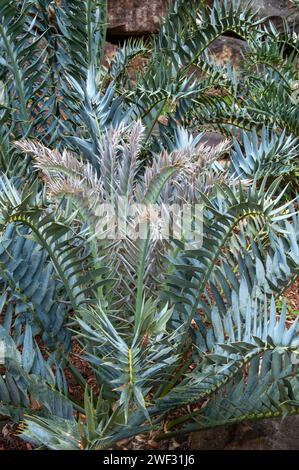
point(150, 198)
point(104, 30)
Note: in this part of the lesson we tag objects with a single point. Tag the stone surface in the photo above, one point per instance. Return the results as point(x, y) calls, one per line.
point(212, 139)
point(141, 17)
point(259, 435)
point(135, 17)
point(110, 51)
point(227, 49)
point(276, 10)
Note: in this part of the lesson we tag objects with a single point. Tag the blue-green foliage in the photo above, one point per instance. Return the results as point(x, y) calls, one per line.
point(143, 316)
point(32, 293)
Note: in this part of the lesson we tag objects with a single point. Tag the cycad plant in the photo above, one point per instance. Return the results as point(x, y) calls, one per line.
point(180, 329)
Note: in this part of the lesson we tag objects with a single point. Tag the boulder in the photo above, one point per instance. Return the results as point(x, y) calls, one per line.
point(135, 17)
point(228, 50)
point(109, 52)
point(277, 10)
point(258, 435)
point(140, 17)
point(212, 139)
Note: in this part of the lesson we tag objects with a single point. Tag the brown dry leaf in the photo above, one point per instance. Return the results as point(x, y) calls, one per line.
point(122, 443)
point(174, 445)
point(153, 444)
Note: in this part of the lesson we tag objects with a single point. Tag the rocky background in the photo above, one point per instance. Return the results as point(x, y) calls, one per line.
point(133, 18)
point(140, 18)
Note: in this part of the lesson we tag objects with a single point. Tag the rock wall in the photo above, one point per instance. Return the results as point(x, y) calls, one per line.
point(129, 18)
point(135, 17)
point(260, 435)
point(277, 10)
point(140, 17)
